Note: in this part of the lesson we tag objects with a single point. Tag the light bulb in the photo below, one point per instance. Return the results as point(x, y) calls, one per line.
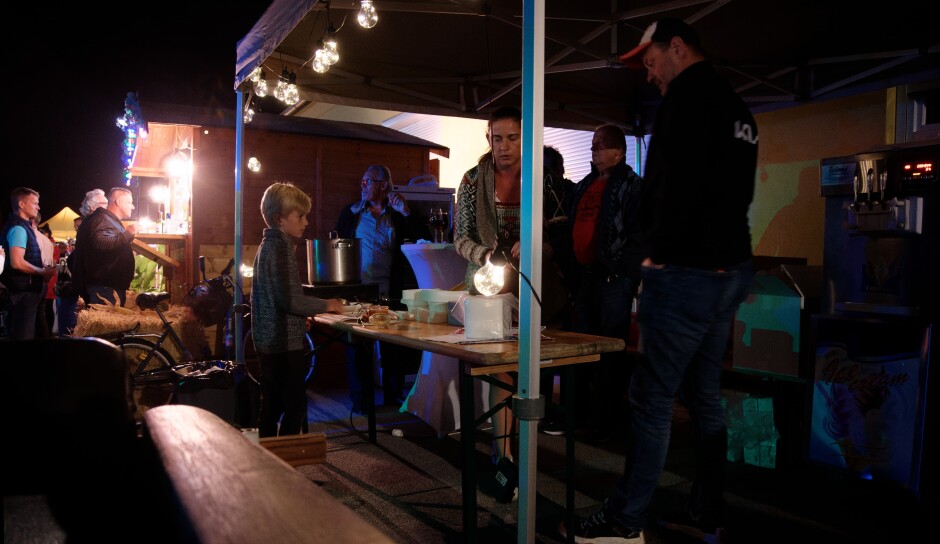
point(489, 279)
point(247, 270)
point(255, 74)
point(254, 164)
point(367, 15)
point(249, 115)
point(291, 95)
point(332, 55)
point(261, 88)
point(319, 65)
point(280, 90)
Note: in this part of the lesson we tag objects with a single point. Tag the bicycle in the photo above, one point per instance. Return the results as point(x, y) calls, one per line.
point(156, 376)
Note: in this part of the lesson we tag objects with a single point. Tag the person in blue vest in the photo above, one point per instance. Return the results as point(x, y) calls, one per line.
point(24, 276)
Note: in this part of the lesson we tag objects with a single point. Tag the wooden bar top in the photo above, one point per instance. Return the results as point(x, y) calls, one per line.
point(413, 334)
point(235, 491)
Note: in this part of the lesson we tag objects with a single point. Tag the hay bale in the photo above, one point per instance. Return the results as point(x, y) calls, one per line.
point(100, 319)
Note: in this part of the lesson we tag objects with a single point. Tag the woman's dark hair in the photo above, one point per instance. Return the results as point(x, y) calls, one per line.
point(500, 113)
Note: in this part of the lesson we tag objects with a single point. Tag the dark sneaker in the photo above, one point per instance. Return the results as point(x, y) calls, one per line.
point(698, 529)
point(507, 481)
point(602, 529)
point(553, 427)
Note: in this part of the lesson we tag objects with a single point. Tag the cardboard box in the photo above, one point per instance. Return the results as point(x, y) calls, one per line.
point(767, 335)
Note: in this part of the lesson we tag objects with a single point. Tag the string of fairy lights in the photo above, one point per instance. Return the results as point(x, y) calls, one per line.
point(326, 55)
point(135, 129)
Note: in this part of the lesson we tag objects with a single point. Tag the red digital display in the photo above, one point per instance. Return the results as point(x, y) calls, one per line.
point(917, 171)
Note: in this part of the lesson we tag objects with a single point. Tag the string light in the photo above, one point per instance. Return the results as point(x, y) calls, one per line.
point(328, 53)
point(261, 85)
point(134, 127)
point(281, 89)
point(367, 15)
point(292, 95)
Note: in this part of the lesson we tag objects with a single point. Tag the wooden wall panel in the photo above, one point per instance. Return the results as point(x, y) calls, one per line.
point(328, 169)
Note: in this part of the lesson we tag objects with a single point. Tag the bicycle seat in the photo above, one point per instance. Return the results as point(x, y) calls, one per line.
point(149, 301)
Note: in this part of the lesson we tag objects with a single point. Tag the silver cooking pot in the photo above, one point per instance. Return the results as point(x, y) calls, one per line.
point(336, 260)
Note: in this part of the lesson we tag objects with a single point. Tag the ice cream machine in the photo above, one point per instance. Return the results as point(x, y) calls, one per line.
point(871, 407)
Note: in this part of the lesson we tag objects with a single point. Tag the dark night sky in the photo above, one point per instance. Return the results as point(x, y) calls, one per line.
point(74, 65)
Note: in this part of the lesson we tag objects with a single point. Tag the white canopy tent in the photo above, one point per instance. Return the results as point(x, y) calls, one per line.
point(62, 224)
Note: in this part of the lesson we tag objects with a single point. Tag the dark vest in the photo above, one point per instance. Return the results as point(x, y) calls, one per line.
point(15, 280)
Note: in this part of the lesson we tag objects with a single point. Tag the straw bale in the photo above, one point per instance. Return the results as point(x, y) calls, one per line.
point(98, 319)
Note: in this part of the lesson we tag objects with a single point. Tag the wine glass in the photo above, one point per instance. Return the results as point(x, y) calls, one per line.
point(438, 224)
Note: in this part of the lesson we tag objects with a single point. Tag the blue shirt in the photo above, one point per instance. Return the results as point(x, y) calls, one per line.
point(16, 237)
point(377, 244)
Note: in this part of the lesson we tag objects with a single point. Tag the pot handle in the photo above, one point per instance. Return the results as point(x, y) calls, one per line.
point(334, 234)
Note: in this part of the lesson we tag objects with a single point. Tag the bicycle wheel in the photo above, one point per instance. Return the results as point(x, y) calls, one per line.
point(155, 384)
point(253, 366)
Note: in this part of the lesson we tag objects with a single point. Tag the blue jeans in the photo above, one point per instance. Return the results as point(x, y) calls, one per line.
point(23, 307)
point(102, 294)
point(685, 317)
point(66, 310)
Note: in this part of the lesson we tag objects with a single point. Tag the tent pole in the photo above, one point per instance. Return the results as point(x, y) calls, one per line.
point(237, 273)
point(530, 314)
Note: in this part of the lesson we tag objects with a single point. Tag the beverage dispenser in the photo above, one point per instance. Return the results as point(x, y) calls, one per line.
point(871, 406)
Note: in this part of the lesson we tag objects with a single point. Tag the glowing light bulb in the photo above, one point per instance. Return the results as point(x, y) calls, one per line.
point(489, 279)
point(254, 164)
point(261, 88)
point(319, 65)
point(246, 270)
point(291, 95)
point(280, 90)
point(332, 55)
point(367, 15)
point(249, 115)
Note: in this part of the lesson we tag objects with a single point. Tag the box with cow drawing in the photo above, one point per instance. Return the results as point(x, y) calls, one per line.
point(769, 328)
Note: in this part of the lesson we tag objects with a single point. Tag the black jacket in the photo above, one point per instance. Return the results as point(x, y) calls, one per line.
point(103, 254)
point(700, 171)
point(620, 249)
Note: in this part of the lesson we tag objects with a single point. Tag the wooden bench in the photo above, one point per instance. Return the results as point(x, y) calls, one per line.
point(233, 491)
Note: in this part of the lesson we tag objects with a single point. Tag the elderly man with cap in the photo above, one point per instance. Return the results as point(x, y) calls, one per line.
point(698, 186)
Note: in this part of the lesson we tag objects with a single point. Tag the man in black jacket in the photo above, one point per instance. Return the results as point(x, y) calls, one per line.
point(103, 264)
point(698, 186)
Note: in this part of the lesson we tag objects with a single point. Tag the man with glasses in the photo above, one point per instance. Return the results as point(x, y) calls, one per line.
point(607, 250)
point(382, 221)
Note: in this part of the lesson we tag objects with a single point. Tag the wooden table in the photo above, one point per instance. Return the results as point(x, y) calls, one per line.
point(230, 491)
point(481, 361)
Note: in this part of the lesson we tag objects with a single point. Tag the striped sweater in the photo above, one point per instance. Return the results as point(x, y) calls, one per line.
point(279, 307)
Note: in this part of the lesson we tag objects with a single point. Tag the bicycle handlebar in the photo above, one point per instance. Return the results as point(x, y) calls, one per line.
point(228, 268)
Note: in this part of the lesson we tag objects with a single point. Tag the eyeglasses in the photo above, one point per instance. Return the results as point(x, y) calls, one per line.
point(369, 181)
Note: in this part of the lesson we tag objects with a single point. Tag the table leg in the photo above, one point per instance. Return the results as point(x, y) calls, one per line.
point(468, 444)
point(568, 401)
point(364, 365)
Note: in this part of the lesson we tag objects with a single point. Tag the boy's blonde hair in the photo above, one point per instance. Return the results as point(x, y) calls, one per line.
point(282, 198)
